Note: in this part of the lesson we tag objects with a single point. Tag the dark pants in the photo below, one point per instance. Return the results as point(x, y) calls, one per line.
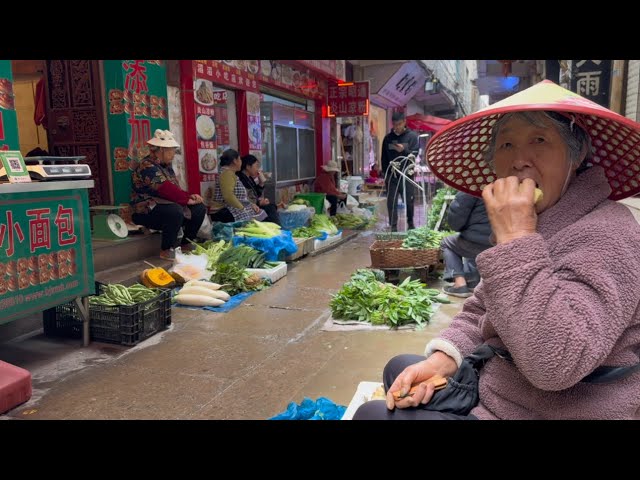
point(272, 213)
point(377, 409)
point(333, 200)
point(223, 215)
point(169, 218)
point(395, 189)
point(454, 250)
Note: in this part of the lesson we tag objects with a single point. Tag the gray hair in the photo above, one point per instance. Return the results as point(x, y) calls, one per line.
point(577, 140)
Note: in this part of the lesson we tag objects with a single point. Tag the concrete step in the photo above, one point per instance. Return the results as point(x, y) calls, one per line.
point(110, 254)
point(129, 273)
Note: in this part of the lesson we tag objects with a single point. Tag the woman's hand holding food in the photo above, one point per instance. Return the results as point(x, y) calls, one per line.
point(511, 208)
point(255, 207)
point(196, 198)
point(439, 363)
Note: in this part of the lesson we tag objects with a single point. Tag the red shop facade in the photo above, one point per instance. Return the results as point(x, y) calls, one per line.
point(223, 106)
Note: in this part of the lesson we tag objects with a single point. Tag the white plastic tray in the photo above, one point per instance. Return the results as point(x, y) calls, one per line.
point(318, 244)
point(274, 274)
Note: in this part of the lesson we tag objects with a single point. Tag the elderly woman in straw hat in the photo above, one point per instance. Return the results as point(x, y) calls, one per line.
point(158, 202)
point(326, 183)
point(557, 307)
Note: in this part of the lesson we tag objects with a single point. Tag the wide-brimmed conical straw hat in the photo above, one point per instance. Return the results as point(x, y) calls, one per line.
point(455, 153)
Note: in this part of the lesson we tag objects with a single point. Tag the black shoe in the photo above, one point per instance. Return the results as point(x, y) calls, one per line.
point(394, 229)
point(411, 226)
point(462, 292)
point(472, 285)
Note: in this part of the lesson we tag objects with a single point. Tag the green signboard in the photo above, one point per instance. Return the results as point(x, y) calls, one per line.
point(136, 95)
point(8, 119)
point(45, 251)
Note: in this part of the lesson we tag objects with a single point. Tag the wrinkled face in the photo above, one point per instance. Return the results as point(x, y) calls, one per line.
point(398, 126)
point(252, 170)
point(166, 154)
point(526, 151)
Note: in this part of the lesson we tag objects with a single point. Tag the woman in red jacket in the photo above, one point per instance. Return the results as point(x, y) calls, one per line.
point(326, 183)
point(158, 202)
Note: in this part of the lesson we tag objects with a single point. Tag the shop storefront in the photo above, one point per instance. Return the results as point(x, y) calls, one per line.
point(269, 108)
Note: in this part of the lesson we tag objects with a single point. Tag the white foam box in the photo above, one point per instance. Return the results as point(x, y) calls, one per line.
point(274, 274)
point(363, 394)
point(318, 244)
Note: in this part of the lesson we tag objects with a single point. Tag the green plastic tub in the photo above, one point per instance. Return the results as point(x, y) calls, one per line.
point(316, 200)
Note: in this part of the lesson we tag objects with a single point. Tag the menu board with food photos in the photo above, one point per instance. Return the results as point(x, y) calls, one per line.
point(45, 251)
point(249, 74)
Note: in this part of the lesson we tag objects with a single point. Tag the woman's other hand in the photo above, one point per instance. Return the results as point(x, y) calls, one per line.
point(511, 209)
point(255, 207)
point(439, 363)
point(196, 198)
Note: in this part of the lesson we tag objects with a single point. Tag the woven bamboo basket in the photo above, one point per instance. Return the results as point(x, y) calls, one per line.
point(390, 254)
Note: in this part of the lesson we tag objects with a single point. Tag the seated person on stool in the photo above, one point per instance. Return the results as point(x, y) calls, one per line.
point(467, 215)
point(158, 202)
point(230, 201)
point(326, 183)
point(255, 188)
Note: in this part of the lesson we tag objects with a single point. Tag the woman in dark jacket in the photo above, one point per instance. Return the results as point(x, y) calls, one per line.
point(251, 170)
point(467, 215)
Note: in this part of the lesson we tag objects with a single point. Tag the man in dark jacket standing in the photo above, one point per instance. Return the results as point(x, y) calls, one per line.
point(400, 141)
point(467, 215)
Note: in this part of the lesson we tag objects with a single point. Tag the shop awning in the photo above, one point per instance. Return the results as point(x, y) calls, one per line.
point(426, 123)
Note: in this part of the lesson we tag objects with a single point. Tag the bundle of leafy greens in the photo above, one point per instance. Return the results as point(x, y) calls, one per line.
point(436, 207)
point(366, 298)
point(322, 223)
point(424, 238)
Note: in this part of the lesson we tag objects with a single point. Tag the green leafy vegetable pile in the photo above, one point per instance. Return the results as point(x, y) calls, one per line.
point(367, 299)
point(436, 206)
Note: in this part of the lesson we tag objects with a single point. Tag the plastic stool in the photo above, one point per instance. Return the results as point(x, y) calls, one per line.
point(15, 386)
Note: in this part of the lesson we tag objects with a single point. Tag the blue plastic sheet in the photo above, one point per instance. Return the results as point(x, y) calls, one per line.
point(224, 231)
point(321, 409)
point(270, 246)
point(230, 304)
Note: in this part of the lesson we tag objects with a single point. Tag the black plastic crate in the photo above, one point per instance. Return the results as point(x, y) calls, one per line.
point(123, 324)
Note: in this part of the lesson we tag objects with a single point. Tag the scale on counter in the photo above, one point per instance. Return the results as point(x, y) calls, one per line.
point(106, 225)
point(48, 169)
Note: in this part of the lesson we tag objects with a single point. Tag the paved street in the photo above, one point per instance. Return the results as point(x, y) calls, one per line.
point(246, 364)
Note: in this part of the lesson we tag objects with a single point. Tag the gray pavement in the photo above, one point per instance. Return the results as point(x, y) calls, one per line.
point(245, 364)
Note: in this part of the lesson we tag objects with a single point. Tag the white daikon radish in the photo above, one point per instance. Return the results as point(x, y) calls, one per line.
point(198, 300)
point(194, 290)
point(203, 283)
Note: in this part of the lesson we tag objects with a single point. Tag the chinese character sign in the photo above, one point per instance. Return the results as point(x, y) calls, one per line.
point(592, 80)
point(233, 73)
point(45, 251)
point(348, 99)
point(136, 92)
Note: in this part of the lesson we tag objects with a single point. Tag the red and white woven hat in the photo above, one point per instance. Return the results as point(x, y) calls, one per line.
point(455, 153)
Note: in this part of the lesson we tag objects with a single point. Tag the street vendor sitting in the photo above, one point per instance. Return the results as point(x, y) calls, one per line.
point(230, 200)
point(253, 180)
point(158, 202)
point(326, 183)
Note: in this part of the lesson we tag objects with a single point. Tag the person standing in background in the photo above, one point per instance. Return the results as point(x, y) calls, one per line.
point(399, 142)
